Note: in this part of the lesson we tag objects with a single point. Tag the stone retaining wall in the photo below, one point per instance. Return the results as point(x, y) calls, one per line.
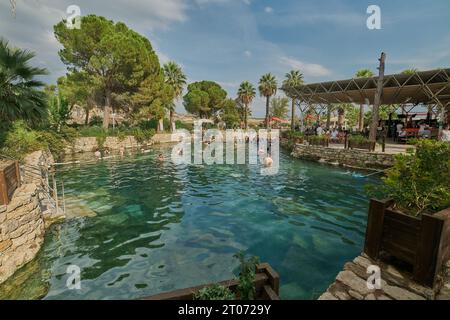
point(351, 284)
point(90, 144)
point(345, 157)
point(22, 230)
point(23, 220)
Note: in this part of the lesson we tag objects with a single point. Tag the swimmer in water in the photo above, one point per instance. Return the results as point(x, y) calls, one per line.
point(98, 154)
point(268, 162)
point(160, 157)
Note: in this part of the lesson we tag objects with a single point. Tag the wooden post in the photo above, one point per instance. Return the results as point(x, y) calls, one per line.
point(374, 229)
point(377, 100)
point(427, 250)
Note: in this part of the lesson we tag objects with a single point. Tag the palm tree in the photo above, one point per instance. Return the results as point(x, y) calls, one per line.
point(246, 93)
point(20, 97)
point(409, 72)
point(267, 88)
point(175, 78)
point(363, 73)
point(293, 80)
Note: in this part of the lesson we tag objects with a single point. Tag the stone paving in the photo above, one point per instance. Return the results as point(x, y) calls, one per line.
point(351, 284)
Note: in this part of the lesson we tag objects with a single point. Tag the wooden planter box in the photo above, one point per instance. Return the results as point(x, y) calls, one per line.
point(370, 145)
point(299, 140)
point(424, 242)
point(267, 284)
point(321, 143)
point(9, 180)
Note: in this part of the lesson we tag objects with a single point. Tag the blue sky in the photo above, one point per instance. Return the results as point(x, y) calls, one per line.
point(230, 41)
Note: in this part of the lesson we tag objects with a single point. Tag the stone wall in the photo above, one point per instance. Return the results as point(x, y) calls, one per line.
point(23, 220)
point(90, 144)
point(22, 230)
point(345, 157)
point(351, 284)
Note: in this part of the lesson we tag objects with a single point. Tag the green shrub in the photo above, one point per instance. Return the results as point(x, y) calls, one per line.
point(53, 141)
point(184, 125)
point(19, 140)
point(317, 138)
point(96, 121)
point(358, 139)
point(418, 183)
point(143, 135)
point(247, 274)
point(215, 292)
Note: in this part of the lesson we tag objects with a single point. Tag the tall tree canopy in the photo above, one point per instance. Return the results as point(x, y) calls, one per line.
point(117, 57)
point(267, 88)
point(230, 113)
point(81, 89)
point(246, 93)
point(204, 98)
point(20, 93)
point(293, 80)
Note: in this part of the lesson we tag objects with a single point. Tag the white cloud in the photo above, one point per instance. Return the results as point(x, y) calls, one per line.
point(308, 69)
point(32, 28)
point(268, 9)
point(247, 53)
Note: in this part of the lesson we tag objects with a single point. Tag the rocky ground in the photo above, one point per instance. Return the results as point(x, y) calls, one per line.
point(351, 284)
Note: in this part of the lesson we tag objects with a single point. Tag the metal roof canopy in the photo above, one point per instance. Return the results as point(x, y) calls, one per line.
point(424, 87)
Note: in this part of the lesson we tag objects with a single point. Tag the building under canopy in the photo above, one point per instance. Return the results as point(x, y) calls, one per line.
point(430, 88)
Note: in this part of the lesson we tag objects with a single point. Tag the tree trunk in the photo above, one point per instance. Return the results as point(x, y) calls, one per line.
point(172, 124)
point(107, 111)
point(86, 118)
point(160, 125)
point(328, 117)
point(267, 112)
point(341, 119)
point(245, 117)
point(293, 115)
point(377, 101)
point(361, 118)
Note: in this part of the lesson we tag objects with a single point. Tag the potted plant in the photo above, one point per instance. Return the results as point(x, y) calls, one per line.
point(413, 224)
point(360, 142)
point(318, 141)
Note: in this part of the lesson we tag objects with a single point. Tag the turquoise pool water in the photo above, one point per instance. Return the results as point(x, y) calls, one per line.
point(145, 227)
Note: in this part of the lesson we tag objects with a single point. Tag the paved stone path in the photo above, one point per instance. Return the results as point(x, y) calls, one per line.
point(351, 284)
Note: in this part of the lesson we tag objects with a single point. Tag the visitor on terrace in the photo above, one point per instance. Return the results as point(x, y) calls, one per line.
point(319, 130)
point(335, 135)
point(424, 130)
point(446, 133)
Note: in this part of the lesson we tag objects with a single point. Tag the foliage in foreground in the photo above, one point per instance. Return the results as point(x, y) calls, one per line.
point(247, 273)
point(418, 183)
point(215, 292)
point(19, 140)
point(245, 289)
point(20, 94)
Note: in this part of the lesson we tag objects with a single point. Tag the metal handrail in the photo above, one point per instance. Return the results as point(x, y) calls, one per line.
point(42, 173)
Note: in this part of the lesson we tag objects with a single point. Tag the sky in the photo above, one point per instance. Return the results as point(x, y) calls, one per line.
point(229, 41)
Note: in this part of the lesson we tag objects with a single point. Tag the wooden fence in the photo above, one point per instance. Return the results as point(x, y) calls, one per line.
point(267, 283)
point(9, 180)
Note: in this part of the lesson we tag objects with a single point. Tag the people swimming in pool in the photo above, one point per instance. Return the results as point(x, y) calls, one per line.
point(161, 157)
